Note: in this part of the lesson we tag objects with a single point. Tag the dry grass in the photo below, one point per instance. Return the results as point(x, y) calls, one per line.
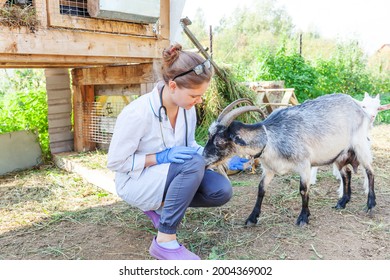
point(51, 214)
point(15, 16)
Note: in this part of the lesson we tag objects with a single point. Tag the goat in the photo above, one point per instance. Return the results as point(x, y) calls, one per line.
point(371, 106)
point(329, 129)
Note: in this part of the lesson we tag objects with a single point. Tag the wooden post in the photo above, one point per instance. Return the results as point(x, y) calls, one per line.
point(82, 95)
point(59, 110)
point(165, 19)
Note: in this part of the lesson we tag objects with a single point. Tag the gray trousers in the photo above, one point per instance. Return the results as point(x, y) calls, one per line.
point(190, 185)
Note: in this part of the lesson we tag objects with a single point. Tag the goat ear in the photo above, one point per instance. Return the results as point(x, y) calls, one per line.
point(384, 107)
point(238, 140)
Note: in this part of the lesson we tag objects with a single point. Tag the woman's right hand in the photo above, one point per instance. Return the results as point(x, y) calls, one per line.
point(175, 154)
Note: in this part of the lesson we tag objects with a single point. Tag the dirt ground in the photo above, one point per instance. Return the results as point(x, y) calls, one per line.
point(51, 214)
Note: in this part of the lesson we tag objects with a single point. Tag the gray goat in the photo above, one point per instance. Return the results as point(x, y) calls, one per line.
point(329, 129)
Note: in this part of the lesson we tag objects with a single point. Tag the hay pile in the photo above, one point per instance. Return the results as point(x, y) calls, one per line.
point(221, 92)
point(15, 16)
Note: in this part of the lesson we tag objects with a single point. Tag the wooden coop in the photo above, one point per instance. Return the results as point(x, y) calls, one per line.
point(97, 54)
point(272, 95)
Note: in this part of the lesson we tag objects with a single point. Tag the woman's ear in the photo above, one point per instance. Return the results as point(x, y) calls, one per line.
point(172, 85)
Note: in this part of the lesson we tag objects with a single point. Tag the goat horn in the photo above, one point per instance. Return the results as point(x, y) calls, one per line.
point(229, 117)
point(229, 107)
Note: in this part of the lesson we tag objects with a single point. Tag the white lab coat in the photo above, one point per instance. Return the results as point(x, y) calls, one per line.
point(138, 133)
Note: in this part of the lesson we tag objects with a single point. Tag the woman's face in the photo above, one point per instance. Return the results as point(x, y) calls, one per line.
point(187, 98)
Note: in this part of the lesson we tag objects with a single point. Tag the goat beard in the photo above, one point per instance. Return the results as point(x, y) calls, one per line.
point(221, 167)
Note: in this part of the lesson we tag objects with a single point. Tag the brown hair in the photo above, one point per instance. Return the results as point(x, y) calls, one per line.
point(176, 61)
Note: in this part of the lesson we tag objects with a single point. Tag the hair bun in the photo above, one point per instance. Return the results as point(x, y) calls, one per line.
point(171, 54)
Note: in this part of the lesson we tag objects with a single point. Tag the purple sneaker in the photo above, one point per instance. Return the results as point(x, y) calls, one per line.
point(154, 217)
point(162, 253)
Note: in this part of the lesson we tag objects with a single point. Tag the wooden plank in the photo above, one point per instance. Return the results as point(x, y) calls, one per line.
point(59, 116)
point(58, 80)
point(99, 178)
point(81, 95)
point(59, 104)
point(77, 118)
point(61, 136)
point(76, 43)
point(286, 97)
point(60, 147)
point(62, 61)
point(143, 89)
point(59, 101)
point(294, 100)
point(59, 94)
point(274, 89)
point(60, 129)
point(133, 74)
point(164, 19)
point(60, 108)
point(56, 19)
point(55, 123)
point(41, 13)
point(111, 90)
point(56, 87)
point(57, 72)
point(268, 107)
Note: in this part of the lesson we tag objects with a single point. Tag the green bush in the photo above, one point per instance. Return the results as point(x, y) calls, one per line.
point(289, 67)
point(23, 106)
point(344, 72)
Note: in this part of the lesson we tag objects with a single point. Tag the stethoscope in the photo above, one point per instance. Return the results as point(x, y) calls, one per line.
point(160, 119)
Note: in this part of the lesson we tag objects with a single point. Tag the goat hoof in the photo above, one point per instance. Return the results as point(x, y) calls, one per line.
point(302, 221)
point(370, 212)
point(338, 206)
point(371, 203)
point(249, 223)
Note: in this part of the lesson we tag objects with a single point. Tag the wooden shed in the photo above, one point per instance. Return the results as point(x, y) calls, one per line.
point(106, 49)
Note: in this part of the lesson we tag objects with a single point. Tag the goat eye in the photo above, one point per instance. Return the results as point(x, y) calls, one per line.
point(364, 107)
point(221, 142)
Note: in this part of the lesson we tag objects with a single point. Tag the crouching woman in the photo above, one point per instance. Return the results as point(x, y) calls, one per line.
point(159, 166)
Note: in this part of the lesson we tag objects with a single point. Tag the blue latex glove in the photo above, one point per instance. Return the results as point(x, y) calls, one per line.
point(175, 154)
point(237, 163)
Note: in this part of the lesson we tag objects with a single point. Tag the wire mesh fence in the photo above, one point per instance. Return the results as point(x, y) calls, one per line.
point(74, 8)
point(98, 121)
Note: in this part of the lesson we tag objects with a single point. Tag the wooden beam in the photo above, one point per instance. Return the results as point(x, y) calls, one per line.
point(165, 19)
point(76, 43)
point(61, 61)
point(131, 74)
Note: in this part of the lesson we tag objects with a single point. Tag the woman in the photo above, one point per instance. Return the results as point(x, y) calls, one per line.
point(159, 166)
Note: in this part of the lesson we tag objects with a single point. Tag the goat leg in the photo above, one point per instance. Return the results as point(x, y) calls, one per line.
point(346, 177)
point(371, 193)
point(253, 217)
point(303, 217)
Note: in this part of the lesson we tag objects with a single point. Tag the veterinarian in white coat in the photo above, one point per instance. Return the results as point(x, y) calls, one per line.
point(159, 166)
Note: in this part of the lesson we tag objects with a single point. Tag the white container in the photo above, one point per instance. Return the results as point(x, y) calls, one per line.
point(140, 11)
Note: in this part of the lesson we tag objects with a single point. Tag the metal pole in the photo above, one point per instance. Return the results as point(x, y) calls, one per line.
point(186, 21)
